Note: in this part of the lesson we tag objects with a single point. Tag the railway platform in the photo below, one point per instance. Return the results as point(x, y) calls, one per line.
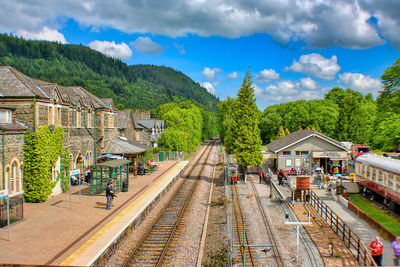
point(366, 233)
point(75, 228)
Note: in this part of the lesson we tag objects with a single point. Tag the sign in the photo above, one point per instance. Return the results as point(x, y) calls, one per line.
point(330, 154)
point(3, 193)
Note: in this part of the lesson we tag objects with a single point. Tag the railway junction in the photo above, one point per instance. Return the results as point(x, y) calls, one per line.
point(188, 213)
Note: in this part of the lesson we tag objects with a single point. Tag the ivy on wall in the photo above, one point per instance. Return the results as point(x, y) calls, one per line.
point(64, 169)
point(41, 151)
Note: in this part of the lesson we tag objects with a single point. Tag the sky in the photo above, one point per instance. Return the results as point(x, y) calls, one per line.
point(294, 49)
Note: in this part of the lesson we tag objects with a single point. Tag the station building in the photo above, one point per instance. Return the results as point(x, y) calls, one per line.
point(306, 150)
point(91, 124)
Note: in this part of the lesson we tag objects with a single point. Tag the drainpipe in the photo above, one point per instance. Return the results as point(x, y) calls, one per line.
point(34, 113)
point(2, 160)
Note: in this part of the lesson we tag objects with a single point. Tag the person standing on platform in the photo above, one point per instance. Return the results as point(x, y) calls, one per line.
point(261, 175)
point(396, 251)
point(376, 250)
point(109, 194)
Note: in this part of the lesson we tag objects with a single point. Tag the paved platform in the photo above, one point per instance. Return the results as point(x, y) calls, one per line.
point(364, 231)
point(74, 227)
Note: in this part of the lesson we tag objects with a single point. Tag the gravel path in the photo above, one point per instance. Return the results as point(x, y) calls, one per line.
point(186, 243)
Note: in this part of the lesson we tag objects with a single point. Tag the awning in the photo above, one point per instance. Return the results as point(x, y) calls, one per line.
point(121, 147)
point(111, 156)
point(340, 155)
point(114, 163)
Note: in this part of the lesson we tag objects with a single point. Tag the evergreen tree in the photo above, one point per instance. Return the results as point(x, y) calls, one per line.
point(281, 133)
point(243, 135)
point(287, 132)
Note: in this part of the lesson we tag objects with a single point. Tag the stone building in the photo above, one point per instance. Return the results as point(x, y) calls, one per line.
point(306, 150)
point(148, 131)
point(12, 144)
point(88, 122)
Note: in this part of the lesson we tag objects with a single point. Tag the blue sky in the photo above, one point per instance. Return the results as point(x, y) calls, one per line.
point(294, 49)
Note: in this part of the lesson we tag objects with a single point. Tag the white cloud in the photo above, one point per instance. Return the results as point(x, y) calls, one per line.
point(121, 51)
point(316, 65)
point(266, 75)
point(343, 23)
point(209, 74)
point(147, 46)
point(180, 48)
point(258, 90)
point(45, 33)
point(285, 90)
point(360, 82)
point(209, 87)
point(308, 84)
point(232, 76)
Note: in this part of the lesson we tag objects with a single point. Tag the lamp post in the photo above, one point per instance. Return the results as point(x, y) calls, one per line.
point(297, 231)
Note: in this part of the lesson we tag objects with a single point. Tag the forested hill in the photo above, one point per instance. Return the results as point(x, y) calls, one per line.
point(140, 86)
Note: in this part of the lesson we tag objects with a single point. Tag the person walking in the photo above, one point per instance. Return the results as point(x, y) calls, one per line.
point(319, 180)
point(396, 251)
point(261, 175)
point(376, 250)
point(109, 194)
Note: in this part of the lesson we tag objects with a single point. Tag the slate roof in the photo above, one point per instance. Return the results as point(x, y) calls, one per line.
point(15, 83)
point(149, 124)
point(108, 102)
point(298, 136)
point(119, 146)
point(13, 126)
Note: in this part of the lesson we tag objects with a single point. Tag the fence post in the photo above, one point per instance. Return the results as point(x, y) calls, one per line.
point(358, 250)
point(331, 220)
point(344, 231)
point(349, 238)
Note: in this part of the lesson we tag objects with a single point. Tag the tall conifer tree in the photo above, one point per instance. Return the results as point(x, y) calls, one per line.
point(243, 136)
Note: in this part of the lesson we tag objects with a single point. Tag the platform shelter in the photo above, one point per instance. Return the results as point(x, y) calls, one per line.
point(116, 170)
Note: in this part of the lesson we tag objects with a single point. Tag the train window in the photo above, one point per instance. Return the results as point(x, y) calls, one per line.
point(398, 184)
point(374, 175)
point(368, 174)
point(380, 179)
point(391, 181)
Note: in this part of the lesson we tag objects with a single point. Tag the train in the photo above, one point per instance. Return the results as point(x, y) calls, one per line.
point(379, 179)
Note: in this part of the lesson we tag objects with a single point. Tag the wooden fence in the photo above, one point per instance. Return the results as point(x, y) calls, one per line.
point(343, 231)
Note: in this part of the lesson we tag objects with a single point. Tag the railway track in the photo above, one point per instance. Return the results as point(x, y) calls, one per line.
point(244, 253)
point(309, 248)
point(277, 256)
point(153, 246)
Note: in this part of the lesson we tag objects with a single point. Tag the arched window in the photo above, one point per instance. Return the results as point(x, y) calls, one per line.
point(13, 179)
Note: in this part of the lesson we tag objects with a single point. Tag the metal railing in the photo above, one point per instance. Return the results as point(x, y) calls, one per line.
point(16, 211)
point(343, 231)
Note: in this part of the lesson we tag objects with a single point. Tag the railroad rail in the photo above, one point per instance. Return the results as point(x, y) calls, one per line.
point(244, 251)
point(277, 256)
point(313, 254)
point(152, 247)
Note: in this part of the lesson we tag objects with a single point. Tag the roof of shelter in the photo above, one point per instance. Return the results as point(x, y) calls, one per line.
point(382, 162)
point(119, 146)
point(299, 136)
point(150, 124)
point(114, 163)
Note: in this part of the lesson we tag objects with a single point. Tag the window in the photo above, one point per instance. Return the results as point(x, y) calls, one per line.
point(21, 180)
point(286, 153)
point(5, 116)
point(288, 162)
point(297, 163)
point(7, 176)
point(398, 184)
point(13, 178)
point(374, 175)
point(298, 153)
point(391, 181)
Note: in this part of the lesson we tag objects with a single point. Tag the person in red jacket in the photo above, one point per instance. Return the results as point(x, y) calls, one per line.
point(376, 250)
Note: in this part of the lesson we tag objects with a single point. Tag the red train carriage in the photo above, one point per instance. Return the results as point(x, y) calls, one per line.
point(379, 177)
point(233, 174)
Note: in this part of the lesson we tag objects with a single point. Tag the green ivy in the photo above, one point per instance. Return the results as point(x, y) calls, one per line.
point(41, 151)
point(65, 160)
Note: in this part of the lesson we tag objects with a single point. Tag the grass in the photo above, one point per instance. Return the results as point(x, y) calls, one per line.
point(390, 222)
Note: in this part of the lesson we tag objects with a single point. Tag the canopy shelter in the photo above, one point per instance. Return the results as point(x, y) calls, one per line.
point(120, 146)
point(116, 170)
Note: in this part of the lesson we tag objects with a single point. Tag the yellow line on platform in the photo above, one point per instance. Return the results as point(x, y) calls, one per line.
point(107, 227)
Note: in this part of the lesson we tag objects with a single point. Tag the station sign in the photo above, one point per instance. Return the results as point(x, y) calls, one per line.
point(3, 193)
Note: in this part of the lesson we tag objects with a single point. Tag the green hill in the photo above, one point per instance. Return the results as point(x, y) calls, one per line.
point(139, 86)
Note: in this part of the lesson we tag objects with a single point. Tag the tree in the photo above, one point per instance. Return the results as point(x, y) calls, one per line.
point(244, 134)
point(281, 133)
point(387, 131)
point(287, 132)
point(120, 107)
point(335, 95)
point(389, 98)
point(225, 109)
